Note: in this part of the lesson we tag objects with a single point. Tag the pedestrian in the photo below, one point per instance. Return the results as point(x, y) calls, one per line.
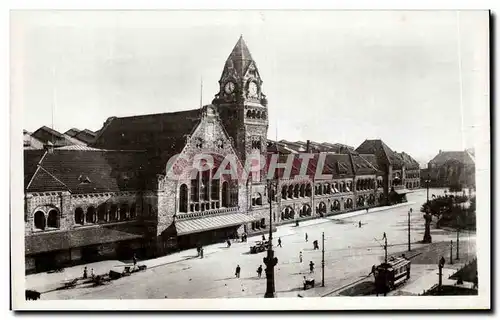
point(238, 270)
point(315, 244)
point(279, 243)
point(201, 253)
point(307, 237)
point(85, 273)
point(360, 224)
point(263, 237)
point(311, 267)
point(300, 257)
point(134, 258)
point(92, 273)
point(259, 271)
point(228, 243)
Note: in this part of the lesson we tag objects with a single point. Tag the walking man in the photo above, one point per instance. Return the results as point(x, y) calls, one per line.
point(85, 273)
point(307, 237)
point(92, 273)
point(259, 271)
point(300, 257)
point(279, 243)
point(238, 270)
point(360, 222)
point(311, 267)
point(263, 237)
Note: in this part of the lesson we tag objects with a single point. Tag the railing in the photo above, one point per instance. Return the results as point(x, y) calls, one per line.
point(182, 216)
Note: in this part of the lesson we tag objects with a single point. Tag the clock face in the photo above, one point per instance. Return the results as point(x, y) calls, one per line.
point(252, 89)
point(229, 88)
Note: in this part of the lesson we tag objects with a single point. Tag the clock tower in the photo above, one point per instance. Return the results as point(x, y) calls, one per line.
point(241, 104)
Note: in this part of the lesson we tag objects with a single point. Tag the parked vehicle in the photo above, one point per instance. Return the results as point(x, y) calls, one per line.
point(259, 246)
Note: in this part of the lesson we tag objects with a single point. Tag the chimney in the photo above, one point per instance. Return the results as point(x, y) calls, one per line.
point(307, 146)
point(49, 147)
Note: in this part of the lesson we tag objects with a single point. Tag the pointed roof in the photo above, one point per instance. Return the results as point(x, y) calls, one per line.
point(381, 150)
point(239, 59)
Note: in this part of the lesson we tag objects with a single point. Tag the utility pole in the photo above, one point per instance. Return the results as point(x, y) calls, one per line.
point(385, 248)
point(270, 261)
point(409, 241)
point(451, 251)
point(441, 265)
point(458, 242)
point(323, 262)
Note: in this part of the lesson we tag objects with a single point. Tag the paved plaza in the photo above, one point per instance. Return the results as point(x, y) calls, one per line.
point(350, 251)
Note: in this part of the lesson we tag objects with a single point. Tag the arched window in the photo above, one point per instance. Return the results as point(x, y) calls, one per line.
point(308, 190)
point(133, 211)
point(258, 199)
point(263, 223)
point(101, 213)
point(336, 205)
point(302, 190)
point(40, 220)
point(348, 204)
point(90, 215)
point(290, 191)
point(195, 187)
point(296, 191)
point(183, 198)
point(123, 212)
point(53, 219)
point(284, 192)
point(113, 212)
point(215, 190)
point(225, 194)
point(79, 215)
point(322, 208)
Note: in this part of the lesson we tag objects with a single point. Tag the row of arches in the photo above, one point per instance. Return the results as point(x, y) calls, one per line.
point(295, 191)
point(105, 213)
point(44, 220)
point(412, 175)
point(228, 196)
point(368, 184)
point(412, 185)
point(256, 114)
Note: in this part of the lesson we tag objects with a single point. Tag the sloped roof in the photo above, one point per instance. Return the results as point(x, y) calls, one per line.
point(381, 150)
point(86, 136)
point(362, 166)
point(50, 241)
point(335, 165)
point(72, 132)
point(314, 147)
point(162, 135)
point(81, 171)
point(31, 160)
point(460, 156)
point(371, 159)
point(409, 161)
point(239, 59)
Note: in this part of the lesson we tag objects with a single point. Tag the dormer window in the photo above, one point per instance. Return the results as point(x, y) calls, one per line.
point(84, 179)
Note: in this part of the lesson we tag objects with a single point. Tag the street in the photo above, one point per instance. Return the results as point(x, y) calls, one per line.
point(350, 252)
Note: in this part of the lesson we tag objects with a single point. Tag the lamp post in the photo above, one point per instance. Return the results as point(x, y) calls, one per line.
point(270, 261)
point(409, 241)
point(323, 262)
point(428, 181)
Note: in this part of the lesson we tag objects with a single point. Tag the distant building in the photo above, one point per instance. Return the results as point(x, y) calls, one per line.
point(401, 171)
point(30, 142)
point(57, 139)
point(449, 168)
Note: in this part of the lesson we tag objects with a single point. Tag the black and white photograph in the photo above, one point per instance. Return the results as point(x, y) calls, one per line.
point(210, 159)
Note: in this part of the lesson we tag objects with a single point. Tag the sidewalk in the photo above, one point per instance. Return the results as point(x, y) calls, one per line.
point(426, 282)
point(43, 282)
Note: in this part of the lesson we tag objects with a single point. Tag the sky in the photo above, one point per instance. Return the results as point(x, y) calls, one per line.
point(417, 80)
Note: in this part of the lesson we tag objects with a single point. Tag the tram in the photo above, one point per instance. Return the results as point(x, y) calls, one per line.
point(392, 273)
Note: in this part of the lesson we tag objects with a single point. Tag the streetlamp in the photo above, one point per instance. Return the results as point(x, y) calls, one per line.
point(427, 181)
point(270, 261)
point(409, 242)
